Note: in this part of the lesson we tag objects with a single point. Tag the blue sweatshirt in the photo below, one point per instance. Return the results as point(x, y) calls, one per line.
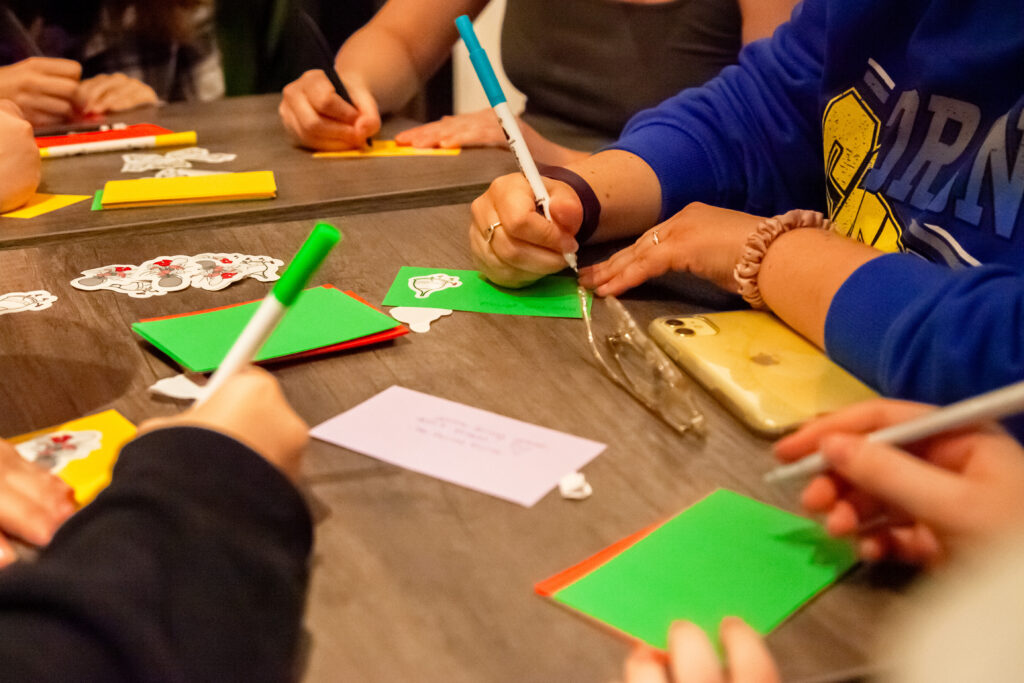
point(903, 122)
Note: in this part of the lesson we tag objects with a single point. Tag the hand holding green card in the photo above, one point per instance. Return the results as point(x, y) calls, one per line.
point(467, 290)
point(727, 555)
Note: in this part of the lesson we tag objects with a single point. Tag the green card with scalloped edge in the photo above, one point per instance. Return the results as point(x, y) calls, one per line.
point(466, 290)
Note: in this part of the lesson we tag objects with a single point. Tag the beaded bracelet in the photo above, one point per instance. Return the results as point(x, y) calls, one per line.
point(767, 231)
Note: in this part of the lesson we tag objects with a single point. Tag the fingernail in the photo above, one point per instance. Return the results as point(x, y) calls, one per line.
point(730, 623)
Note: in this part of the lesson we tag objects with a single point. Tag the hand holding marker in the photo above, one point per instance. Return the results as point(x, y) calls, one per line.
point(326, 58)
point(991, 405)
point(273, 308)
point(508, 122)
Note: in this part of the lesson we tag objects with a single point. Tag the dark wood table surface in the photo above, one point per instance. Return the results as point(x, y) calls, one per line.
point(415, 579)
point(250, 128)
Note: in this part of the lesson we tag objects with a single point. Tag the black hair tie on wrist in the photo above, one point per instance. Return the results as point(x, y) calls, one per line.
point(591, 205)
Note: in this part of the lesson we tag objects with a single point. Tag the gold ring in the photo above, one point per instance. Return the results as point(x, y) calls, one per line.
point(654, 236)
point(489, 233)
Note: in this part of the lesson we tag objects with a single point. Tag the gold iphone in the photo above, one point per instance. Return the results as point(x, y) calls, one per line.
point(766, 374)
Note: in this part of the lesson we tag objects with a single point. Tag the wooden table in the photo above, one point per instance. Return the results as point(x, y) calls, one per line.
point(250, 128)
point(415, 579)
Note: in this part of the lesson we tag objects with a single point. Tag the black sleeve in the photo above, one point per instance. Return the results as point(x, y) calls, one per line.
point(191, 566)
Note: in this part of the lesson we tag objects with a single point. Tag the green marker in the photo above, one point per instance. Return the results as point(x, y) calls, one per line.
point(275, 305)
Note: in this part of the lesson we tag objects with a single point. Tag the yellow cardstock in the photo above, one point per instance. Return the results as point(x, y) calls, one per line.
point(388, 148)
point(41, 203)
point(90, 474)
point(119, 194)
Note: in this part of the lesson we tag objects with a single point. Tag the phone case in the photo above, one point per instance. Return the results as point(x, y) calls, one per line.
point(766, 374)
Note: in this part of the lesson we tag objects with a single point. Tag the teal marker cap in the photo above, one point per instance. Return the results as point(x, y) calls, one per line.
point(478, 56)
point(305, 264)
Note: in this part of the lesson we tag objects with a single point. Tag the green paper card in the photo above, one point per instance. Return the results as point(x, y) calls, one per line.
point(320, 317)
point(466, 290)
point(727, 555)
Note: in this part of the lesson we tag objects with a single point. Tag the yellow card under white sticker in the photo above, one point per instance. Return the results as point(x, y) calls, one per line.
point(81, 452)
point(388, 148)
point(188, 190)
point(41, 203)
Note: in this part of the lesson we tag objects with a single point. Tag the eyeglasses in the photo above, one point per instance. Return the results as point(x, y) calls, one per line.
point(643, 370)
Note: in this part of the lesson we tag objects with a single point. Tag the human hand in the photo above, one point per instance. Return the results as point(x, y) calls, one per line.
point(112, 92)
point(692, 658)
point(319, 118)
point(42, 87)
point(33, 502)
point(918, 504)
point(701, 239)
point(20, 164)
point(251, 409)
point(476, 129)
point(525, 246)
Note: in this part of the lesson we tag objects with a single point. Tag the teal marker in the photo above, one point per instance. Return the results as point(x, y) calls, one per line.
point(516, 142)
point(273, 308)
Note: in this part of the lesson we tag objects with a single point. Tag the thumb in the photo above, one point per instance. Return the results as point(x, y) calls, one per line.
point(565, 206)
point(894, 476)
point(368, 122)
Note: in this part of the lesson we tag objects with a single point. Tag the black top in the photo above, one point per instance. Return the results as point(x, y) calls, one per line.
point(595, 63)
point(190, 566)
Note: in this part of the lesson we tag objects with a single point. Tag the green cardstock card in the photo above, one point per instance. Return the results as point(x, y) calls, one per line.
point(320, 317)
point(727, 555)
point(466, 290)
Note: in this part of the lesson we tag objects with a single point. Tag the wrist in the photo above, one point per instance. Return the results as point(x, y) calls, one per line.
point(748, 266)
point(588, 199)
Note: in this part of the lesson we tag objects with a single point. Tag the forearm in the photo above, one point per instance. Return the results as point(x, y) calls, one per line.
point(627, 189)
point(379, 62)
point(762, 17)
point(801, 273)
point(401, 47)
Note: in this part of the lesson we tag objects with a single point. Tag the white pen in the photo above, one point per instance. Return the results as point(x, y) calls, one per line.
point(516, 142)
point(274, 306)
point(991, 405)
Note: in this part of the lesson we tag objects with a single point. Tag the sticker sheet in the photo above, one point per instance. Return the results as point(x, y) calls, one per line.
point(163, 274)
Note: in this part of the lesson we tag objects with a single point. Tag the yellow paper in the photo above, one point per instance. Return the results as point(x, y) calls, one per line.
point(388, 148)
point(190, 189)
point(41, 203)
point(89, 475)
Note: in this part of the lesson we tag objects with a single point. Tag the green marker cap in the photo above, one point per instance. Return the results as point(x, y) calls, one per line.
point(305, 264)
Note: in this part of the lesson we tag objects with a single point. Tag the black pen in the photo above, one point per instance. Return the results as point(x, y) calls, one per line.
point(326, 57)
point(17, 33)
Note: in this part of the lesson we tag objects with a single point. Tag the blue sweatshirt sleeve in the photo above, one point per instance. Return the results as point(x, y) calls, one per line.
point(921, 331)
point(750, 138)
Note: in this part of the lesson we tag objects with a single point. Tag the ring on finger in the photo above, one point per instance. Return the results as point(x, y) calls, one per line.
point(489, 232)
point(655, 238)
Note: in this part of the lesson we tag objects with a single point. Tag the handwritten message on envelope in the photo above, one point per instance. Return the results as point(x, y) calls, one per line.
point(507, 458)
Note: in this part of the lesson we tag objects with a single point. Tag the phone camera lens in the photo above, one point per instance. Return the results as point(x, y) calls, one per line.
point(674, 322)
point(685, 331)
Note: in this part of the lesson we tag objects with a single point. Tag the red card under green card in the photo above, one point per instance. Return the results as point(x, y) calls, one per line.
point(727, 555)
point(323, 319)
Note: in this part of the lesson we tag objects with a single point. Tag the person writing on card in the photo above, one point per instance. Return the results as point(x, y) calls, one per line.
point(949, 497)
point(191, 565)
point(20, 165)
point(914, 163)
point(584, 66)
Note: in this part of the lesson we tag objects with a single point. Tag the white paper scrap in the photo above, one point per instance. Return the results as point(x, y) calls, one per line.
point(179, 387)
point(486, 452)
point(574, 486)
